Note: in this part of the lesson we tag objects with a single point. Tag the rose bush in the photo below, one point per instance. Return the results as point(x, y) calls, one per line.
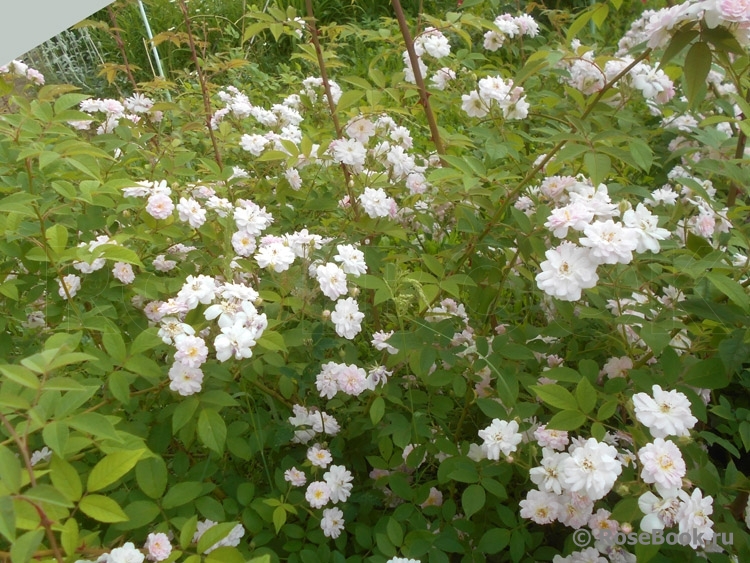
point(486, 302)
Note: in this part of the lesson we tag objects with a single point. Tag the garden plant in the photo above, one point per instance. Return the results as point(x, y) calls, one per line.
point(465, 286)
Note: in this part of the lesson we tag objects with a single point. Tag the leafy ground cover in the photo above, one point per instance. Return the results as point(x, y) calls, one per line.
point(479, 296)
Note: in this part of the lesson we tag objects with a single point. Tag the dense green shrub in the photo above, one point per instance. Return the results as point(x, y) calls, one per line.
point(488, 319)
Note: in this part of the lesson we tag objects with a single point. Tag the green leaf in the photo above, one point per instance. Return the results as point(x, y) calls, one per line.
point(348, 99)
point(212, 430)
point(696, 69)
point(56, 436)
point(217, 533)
point(495, 488)
point(607, 410)
point(642, 154)
point(95, 424)
point(731, 289)
point(68, 359)
point(678, 42)
point(279, 518)
point(395, 532)
point(102, 509)
point(140, 513)
point(597, 165)
point(707, 374)
point(188, 531)
point(225, 554)
point(586, 396)
point(57, 238)
point(433, 264)
point(272, 341)
point(145, 341)
point(65, 478)
point(656, 336)
point(563, 374)
point(112, 467)
point(21, 375)
point(556, 396)
point(118, 253)
point(734, 351)
point(151, 475)
point(119, 385)
point(19, 202)
point(183, 413)
point(400, 486)
point(181, 493)
point(567, 420)
point(10, 470)
point(24, 547)
point(494, 541)
point(578, 24)
point(377, 410)
point(418, 543)
point(114, 344)
point(7, 519)
point(69, 537)
point(67, 101)
point(473, 499)
point(47, 494)
point(515, 352)
point(10, 290)
point(79, 165)
point(600, 14)
point(421, 360)
point(145, 367)
point(460, 469)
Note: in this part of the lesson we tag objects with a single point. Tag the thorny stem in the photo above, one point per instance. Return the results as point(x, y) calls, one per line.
point(424, 96)
point(502, 208)
point(44, 519)
point(329, 96)
point(202, 81)
point(121, 47)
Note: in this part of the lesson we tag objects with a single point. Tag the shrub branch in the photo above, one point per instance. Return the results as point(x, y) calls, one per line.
point(424, 96)
point(202, 81)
